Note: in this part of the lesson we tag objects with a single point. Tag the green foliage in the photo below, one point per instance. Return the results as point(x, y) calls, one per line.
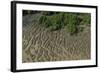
point(72, 23)
point(56, 21)
point(65, 19)
point(86, 19)
point(42, 19)
point(48, 22)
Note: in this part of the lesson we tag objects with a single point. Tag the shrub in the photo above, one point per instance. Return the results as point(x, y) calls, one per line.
point(56, 21)
point(72, 24)
point(85, 19)
point(48, 22)
point(42, 19)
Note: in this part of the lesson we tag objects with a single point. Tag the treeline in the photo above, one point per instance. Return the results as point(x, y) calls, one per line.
point(58, 20)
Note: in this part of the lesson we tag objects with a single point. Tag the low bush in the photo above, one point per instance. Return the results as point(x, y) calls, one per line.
point(72, 23)
point(57, 21)
point(86, 20)
point(42, 19)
